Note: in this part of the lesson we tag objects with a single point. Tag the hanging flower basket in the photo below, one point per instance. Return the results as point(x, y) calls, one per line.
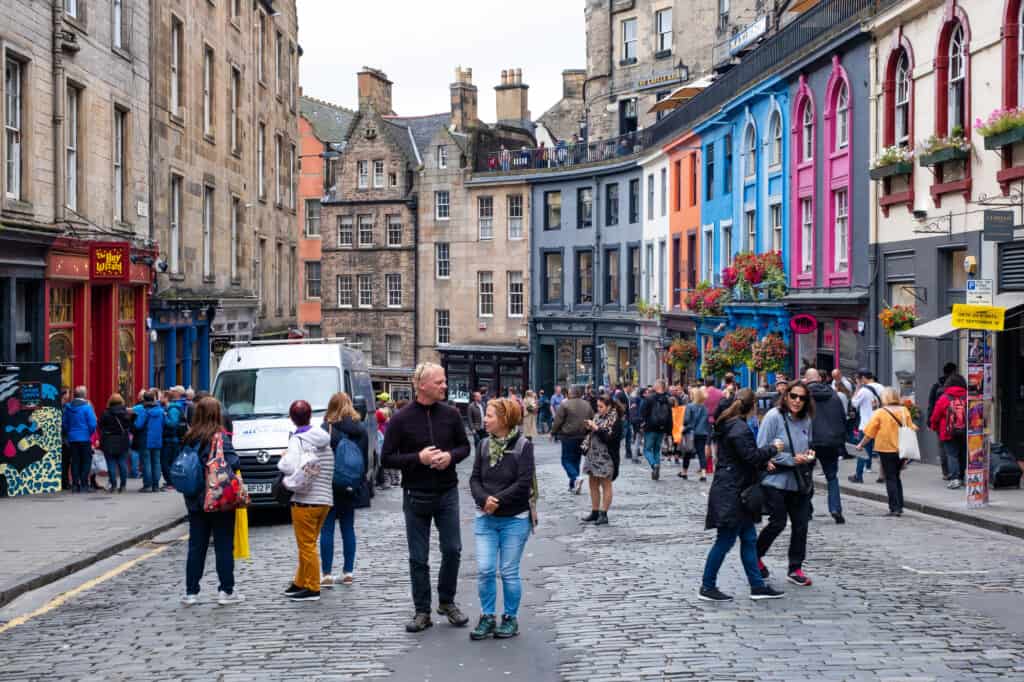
point(706, 300)
point(716, 363)
point(761, 276)
point(769, 354)
point(680, 354)
point(739, 344)
point(898, 318)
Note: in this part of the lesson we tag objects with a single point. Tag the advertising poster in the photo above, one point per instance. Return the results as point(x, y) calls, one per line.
point(979, 391)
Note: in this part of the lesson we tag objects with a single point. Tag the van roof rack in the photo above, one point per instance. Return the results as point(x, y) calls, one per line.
point(300, 342)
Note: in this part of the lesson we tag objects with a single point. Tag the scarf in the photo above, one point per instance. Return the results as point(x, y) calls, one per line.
point(496, 446)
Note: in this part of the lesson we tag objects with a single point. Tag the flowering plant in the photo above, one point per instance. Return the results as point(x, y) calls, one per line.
point(707, 300)
point(955, 140)
point(729, 277)
point(898, 318)
point(893, 155)
point(648, 310)
point(1000, 121)
point(769, 354)
point(914, 410)
point(763, 272)
point(716, 363)
point(738, 345)
point(680, 354)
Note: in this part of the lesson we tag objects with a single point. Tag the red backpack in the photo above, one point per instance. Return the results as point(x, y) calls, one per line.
point(955, 423)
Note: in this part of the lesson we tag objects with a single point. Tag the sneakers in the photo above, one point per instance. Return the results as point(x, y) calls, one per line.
point(305, 595)
point(683, 475)
point(225, 599)
point(346, 579)
point(509, 628)
point(484, 629)
point(419, 623)
point(764, 569)
point(703, 477)
point(797, 577)
point(838, 516)
point(455, 616)
point(591, 517)
point(602, 519)
point(327, 581)
point(292, 589)
point(954, 484)
point(713, 594)
point(854, 479)
point(765, 592)
point(190, 599)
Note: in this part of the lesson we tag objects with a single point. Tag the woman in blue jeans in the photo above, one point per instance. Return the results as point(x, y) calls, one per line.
point(503, 489)
point(739, 465)
point(343, 419)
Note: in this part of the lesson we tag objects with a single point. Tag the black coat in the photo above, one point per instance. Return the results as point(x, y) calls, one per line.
point(116, 430)
point(510, 480)
point(356, 431)
point(828, 427)
point(739, 464)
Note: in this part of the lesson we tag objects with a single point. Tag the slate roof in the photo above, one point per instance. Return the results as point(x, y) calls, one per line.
point(423, 128)
point(330, 122)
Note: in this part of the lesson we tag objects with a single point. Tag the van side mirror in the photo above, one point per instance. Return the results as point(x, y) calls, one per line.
point(360, 404)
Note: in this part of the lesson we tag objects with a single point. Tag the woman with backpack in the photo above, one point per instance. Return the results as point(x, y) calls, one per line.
point(949, 420)
point(206, 435)
point(343, 421)
point(115, 440)
point(502, 485)
point(308, 466)
point(601, 457)
point(884, 429)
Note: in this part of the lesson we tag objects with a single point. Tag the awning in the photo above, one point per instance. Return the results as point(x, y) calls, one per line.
point(935, 329)
point(681, 94)
point(801, 6)
point(1009, 300)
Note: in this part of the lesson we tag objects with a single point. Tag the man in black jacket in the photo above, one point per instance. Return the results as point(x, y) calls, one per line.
point(828, 436)
point(656, 415)
point(426, 439)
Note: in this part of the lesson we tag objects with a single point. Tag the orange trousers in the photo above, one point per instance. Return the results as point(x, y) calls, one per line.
point(307, 522)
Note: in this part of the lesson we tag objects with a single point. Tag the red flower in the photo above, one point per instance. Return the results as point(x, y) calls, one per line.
point(729, 277)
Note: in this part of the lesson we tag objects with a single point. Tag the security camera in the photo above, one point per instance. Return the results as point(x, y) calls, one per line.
point(161, 265)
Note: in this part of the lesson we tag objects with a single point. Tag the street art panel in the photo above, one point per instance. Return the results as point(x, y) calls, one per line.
point(30, 419)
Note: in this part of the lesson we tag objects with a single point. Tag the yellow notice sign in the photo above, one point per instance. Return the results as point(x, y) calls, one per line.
point(978, 317)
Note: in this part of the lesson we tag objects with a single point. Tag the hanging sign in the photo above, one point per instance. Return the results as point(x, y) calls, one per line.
point(803, 324)
point(109, 262)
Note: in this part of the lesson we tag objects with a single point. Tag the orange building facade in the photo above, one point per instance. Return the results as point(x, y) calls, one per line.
point(311, 190)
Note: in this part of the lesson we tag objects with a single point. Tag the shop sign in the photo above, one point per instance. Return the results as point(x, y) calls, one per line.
point(660, 79)
point(804, 323)
point(748, 35)
point(998, 226)
point(587, 355)
point(109, 262)
point(979, 292)
point(978, 317)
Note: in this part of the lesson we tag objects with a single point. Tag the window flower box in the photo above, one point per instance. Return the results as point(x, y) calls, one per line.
point(1002, 128)
point(1005, 138)
point(944, 155)
point(888, 171)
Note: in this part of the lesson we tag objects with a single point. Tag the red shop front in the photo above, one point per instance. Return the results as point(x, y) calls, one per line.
point(96, 309)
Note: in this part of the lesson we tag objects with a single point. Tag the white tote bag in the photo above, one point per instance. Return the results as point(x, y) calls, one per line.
point(909, 448)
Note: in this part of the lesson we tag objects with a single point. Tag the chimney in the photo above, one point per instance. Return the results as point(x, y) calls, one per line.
point(572, 83)
point(463, 100)
point(375, 91)
point(512, 100)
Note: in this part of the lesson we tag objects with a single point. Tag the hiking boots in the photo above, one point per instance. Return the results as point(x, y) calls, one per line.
point(455, 616)
point(484, 629)
point(509, 628)
point(602, 519)
point(592, 517)
point(419, 623)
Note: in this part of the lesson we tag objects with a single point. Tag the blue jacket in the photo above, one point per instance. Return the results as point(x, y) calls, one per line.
point(696, 420)
point(150, 420)
point(175, 422)
point(79, 421)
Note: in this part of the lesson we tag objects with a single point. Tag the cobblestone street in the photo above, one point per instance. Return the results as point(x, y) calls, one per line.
point(893, 598)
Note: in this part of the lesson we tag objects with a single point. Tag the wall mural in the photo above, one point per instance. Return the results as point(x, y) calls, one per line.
point(30, 419)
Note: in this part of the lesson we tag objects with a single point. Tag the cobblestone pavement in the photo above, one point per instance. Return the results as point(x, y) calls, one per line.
point(908, 598)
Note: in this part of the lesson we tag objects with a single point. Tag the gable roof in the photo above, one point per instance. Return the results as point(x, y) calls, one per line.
point(331, 123)
point(421, 128)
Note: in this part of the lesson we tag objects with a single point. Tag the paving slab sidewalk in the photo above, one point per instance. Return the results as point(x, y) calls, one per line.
point(46, 537)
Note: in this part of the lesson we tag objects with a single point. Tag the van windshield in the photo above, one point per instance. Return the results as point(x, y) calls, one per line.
point(253, 393)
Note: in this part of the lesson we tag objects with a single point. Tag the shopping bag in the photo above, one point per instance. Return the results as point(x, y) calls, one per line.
point(241, 533)
point(909, 448)
point(99, 463)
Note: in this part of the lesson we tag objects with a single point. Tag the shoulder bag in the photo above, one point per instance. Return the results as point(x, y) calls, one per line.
point(804, 472)
point(908, 445)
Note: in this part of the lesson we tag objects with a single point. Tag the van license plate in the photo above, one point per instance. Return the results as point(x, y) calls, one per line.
point(258, 488)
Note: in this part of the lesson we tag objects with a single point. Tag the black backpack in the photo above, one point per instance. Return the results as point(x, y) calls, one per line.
point(661, 414)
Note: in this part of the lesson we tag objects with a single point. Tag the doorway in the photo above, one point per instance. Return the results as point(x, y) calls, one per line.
point(1010, 385)
point(101, 340)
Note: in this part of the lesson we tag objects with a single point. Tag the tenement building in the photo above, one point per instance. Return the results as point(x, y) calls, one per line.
point(224, 172)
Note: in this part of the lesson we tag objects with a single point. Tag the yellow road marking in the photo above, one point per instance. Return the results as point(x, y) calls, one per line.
point(63, 598)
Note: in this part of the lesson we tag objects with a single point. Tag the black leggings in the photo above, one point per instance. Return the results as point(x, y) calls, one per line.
point(780, 504)
point(699, 443)
point(891, 467)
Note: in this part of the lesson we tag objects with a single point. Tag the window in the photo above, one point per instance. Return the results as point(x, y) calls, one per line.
point(13, 71)
point(278, 59)
point(485, 289)
point(633, 275)
point(120, 128)
point(723, 15)
point(393, 286)
point(236, 8)
point(776, 216)
point(366, 230)
point(662, 269)
point(378, 174)
point(236, 88)
point(693, 179)
point(236, 208)
point(584, 277)
point(553, 210)
point(177, 88)
point(515, 216)
point(261, 46)
point(841, 233)
point(393, 350)
point(775, 139)
point(392, 179)
point(750, 152)
point(278, 175)
point(344, 291)
point(365, 283)
point(261, 160)
point(441, 207)
point(902, 100)
point(288, 76)
point(707, 257)
point(71, 153)
point(629, 40)
point(664, 192)
point(362, 174)
point(442, 156)
point(611, 276)
point(365, 343)
point(842, 116)
point(727, 166)
point(650, 196)
point(750, 231)
point(394, 230)
point(207, 232)
point(709, 172)
point(207, 91)
point(71, 8)
point(442, 258)
point(258, 262)
point(649, 271)
point(957, 73)
point(1020, 60)
point(584, 207)
point(515, 293)
point(634, 200)
point(174, 214)
point(552, 277)
point(627, 120)
point(345, 231)
point(312, 279)
point(611, 200)
point(442, 323)
point(806, 235)
point(485, 213)
point(312, 217)
point(663, 26)
point(807, 133)
point(726, 245)
point(678, 170)
point(117, 28)
point(293, 162)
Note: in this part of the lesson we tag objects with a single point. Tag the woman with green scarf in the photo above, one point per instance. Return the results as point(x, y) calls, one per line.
point(504, 489)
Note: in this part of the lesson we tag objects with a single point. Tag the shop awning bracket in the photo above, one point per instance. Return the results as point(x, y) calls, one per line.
point(913, 291)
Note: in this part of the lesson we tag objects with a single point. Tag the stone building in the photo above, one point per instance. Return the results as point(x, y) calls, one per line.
point(566, 117)
point(74, 192)
point(224, 138)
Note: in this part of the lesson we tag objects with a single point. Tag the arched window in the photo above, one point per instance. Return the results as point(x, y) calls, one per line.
point(842, 116)
point(750, 152)
point(775, 139)
point(901, 101)
point(956, 83)
point(807, 133)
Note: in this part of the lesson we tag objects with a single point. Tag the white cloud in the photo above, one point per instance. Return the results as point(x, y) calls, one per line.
point(418, 43)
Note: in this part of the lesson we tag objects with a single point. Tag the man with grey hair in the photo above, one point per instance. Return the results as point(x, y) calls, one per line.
point(78, 423)
point(571, 427)
point(426, 439)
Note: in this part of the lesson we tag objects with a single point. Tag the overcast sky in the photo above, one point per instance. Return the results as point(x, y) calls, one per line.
point(418, 43)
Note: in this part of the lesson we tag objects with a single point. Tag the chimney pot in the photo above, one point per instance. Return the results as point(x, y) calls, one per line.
point(519, 76)
point(504, 77)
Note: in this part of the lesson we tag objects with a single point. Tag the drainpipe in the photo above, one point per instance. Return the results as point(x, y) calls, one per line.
point(59, 198)
point(414, 206)
point(598, 280)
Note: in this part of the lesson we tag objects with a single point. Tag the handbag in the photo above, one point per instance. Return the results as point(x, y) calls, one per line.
point(225, 490)
point(804, 473)
point(752, 498)
point(279, 491)
point(908, 445)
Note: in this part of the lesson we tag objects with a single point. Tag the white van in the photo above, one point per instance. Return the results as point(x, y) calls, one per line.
point(257, 383)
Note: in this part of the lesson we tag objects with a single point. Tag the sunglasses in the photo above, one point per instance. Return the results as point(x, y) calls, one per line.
point(798, 396)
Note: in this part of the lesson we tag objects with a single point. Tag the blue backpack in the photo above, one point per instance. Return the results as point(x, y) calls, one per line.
point(349, 467)
point(187, 474)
